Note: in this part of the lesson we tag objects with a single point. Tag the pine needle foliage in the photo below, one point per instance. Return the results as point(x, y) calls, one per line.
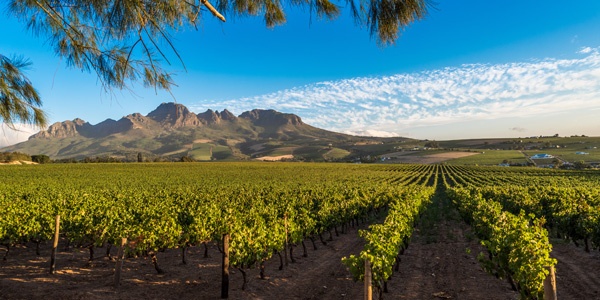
point(19, 100)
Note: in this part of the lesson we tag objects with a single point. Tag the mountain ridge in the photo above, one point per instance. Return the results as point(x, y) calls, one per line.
point(172, 131)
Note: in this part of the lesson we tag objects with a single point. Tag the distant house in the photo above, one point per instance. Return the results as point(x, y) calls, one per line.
point(541, 156)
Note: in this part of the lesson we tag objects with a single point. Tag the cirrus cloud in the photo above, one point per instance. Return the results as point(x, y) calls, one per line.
point(389, 105)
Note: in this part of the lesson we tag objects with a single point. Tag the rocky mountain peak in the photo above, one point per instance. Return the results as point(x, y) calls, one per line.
point(167, 116)
point(271, 117)
point(63, 129)
point(227, 116)
point(174, 115)
point(79, 122)
point(135, 116)
point(171, 130)
point(133, 121)
point(210, 117)
point(216, 117)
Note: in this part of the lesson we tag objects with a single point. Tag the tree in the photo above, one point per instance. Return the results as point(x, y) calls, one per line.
point(40, 158)
point(14, 156)
point(19, 101)
point(432, 144)
point(186, 158)
point(119, 39)
point(557, 163)
point(580, 165)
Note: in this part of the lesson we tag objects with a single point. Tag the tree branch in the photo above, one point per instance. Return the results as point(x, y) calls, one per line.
point(213, 10)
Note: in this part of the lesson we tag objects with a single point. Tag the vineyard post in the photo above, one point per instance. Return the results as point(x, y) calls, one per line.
point(286, 239)
point(55, 245)
point(368, 287)
point(550, 284)
point(225, 273)
point(119, 265)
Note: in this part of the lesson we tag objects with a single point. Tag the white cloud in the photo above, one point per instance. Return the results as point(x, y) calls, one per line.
point(367, 132)
point(394, 104)
point(10, 136)
point(585, 50)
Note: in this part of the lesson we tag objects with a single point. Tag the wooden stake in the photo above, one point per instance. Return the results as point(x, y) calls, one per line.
point(55, 245)
point(368, 286)
point(119, 265)
point(225, 273)
point(550, 284)
point(286, 239)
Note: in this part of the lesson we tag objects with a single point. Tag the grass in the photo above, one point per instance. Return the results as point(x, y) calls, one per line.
point(201, 151)
point(336, 153)
point(208, 151)
point(309, 152)
point(490, 157)
point(379, 148)
point(221, 152)
point(280, 151)
point(425, 152)
point(477, 143)
point(569, 154)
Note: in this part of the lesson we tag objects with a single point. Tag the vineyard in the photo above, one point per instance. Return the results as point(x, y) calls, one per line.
point(307, 231)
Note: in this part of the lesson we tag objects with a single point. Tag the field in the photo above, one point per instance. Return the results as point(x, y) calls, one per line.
point(336, 214)
point(209, 151)
point(491, 157)
point(496, 151)
point(426, 157)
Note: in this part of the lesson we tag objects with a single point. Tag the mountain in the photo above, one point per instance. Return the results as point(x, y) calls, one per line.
point(172, 131)
point(173, 116)
point(64, 129)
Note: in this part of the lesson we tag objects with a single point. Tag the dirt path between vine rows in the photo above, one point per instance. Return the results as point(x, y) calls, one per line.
point(440, 263)
point(321, 275)
point(435, 266)
point(577, 272)
point(446, 268)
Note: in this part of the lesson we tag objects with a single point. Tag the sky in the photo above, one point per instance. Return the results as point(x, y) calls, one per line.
point(470, 69)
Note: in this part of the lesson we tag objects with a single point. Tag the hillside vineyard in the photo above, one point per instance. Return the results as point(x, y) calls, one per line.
point(255, 212)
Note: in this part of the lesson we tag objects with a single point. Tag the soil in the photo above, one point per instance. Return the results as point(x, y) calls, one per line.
point(440, 263)
point(577, 272)
point(18, 162)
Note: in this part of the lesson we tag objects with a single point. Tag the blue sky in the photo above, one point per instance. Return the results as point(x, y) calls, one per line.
point(471, 69)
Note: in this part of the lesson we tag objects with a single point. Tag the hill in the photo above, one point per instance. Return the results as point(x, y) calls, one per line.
point(172, 131)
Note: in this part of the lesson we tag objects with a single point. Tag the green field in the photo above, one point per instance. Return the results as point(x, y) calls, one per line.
point(490, 157)
point(208, 151)
point(571, 155)
point(336, 153)
point(498, 150)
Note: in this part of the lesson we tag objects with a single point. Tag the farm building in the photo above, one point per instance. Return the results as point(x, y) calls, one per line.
point(541, 156)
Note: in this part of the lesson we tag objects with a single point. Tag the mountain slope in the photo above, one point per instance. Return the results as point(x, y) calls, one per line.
point(172, 131)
